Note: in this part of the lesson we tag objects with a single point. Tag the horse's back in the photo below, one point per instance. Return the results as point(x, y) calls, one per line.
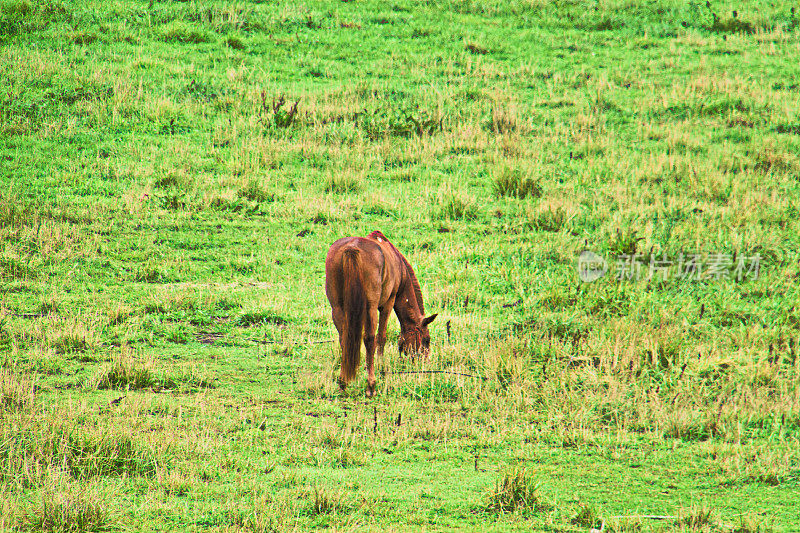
point(370, 252)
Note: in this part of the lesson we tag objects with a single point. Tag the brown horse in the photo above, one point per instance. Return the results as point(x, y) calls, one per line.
point(365, 276)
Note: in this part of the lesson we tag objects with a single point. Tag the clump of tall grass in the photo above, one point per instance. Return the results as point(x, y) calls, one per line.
point(515, 183)
point(235, 42)
point(587, 517)
point(698, 518)
point(324, 501)
point(341, 183)
point(173, 482)
point(124, 372)
point(119, 314)
point(457, 206)
point(438, 389)
point(281, 113)
point(550, 219)
point(82, 37)
point(752, 523)
point(255, 191)
point(624, 241)
point(475, 48)
point(260, 317)
point(11, 511)
point(267, 513)
point(49, 306)
point(169, 301)
point(402, 175)
point(179, 32)
point(175, 179)
point(516, 490)
point(71, 336)
point(504, 119)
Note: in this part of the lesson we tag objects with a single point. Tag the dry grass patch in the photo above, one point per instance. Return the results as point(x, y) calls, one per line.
point(267, 513)
point(41, 444)
point(326, 501)
point(16, 390)
point(506, 116)
point(69, 335)
point(69, 507)
point(771, 158)
point(173, 482)
point(699, 518)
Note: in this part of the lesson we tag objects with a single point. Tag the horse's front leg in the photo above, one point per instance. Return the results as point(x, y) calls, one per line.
point(369, 343)
point(386, 312)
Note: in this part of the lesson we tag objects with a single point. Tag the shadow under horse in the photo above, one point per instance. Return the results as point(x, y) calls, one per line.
point(365, 278)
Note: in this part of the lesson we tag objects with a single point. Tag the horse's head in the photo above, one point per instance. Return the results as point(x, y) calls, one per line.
point(417, 340)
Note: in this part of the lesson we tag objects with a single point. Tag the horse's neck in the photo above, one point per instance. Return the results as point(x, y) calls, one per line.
point(406, 305)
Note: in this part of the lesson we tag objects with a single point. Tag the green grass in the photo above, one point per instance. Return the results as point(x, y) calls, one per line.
point(173, 173)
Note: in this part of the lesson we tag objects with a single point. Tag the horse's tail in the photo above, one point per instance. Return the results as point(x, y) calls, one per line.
point(355, 305)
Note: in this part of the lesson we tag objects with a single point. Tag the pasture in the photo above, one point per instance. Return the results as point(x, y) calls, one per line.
point(173, 173)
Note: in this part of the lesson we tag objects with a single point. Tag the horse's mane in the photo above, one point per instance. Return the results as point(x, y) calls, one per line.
point(410, 271)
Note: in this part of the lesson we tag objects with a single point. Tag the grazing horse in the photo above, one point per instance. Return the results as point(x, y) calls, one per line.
point(365, 278)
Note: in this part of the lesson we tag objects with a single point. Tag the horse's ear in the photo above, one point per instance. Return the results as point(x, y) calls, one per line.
point(428, 320)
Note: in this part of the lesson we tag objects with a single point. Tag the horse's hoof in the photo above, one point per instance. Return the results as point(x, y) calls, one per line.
point(370, 391)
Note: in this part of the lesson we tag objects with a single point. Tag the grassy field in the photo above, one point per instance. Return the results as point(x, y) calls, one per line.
point(173, 173)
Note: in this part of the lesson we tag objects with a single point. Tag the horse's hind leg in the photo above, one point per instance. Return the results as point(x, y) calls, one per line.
point(338, 320)
point(369, 343)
